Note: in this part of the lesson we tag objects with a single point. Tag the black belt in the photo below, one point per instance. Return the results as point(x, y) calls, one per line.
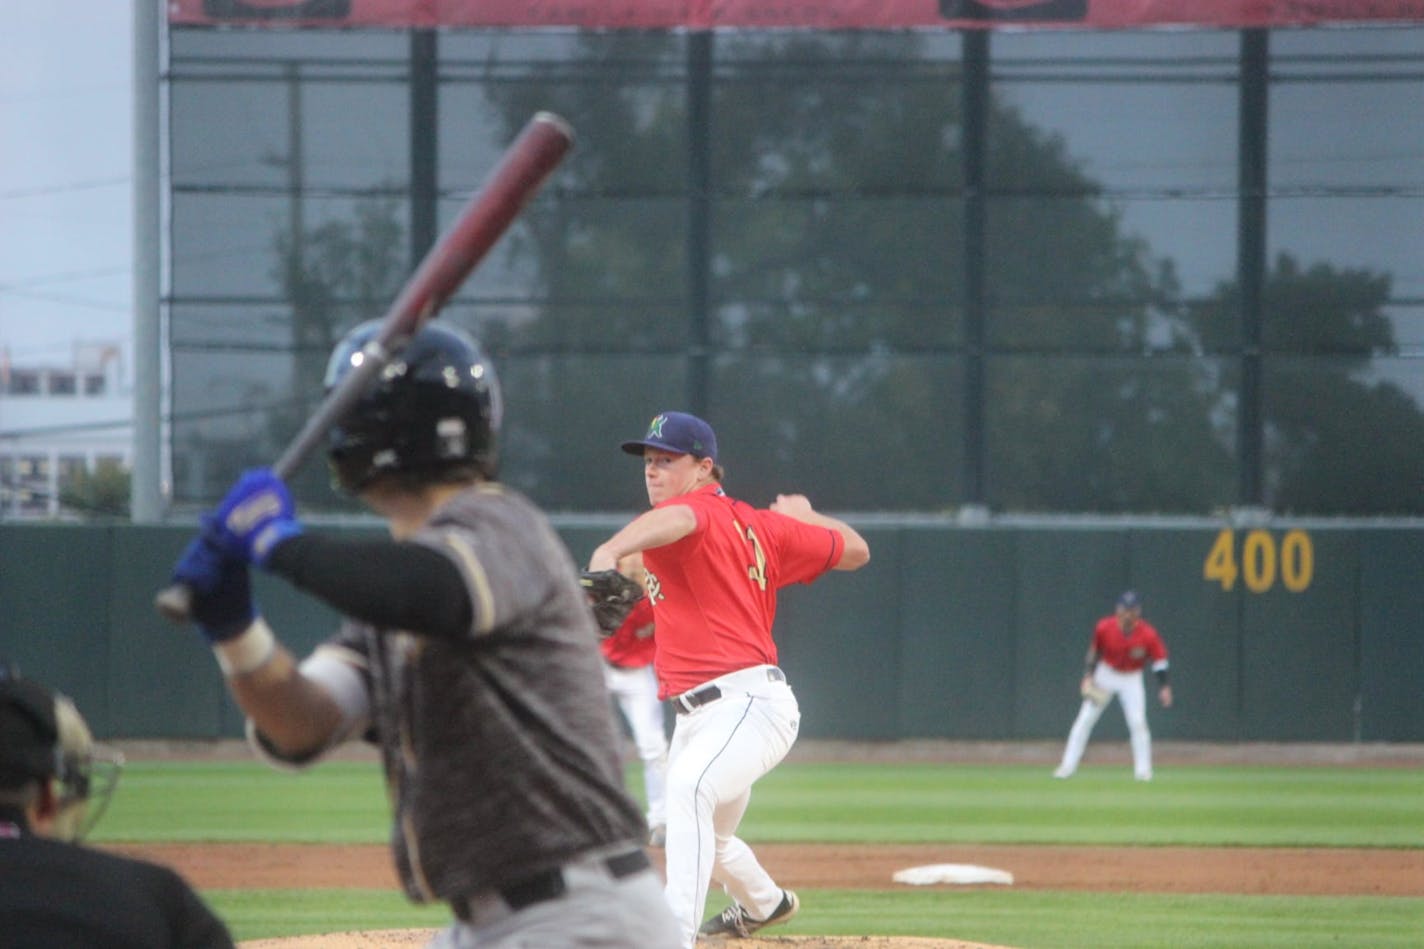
point(551, 883)
point(688, 701)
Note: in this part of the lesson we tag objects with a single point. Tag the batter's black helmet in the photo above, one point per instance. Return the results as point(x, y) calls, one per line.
point(432, 414)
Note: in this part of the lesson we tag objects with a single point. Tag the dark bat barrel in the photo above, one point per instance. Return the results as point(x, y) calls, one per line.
point(529, 160)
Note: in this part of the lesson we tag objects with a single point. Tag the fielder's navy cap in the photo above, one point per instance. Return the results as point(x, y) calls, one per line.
point(679, 433)
point(1130, 601)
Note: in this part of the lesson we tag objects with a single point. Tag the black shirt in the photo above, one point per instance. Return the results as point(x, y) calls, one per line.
point(55, 894)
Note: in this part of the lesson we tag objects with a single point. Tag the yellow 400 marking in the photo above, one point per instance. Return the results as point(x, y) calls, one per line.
point(1258, 561)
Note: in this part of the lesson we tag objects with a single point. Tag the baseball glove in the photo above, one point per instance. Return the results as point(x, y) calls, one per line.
point(1095, 693)
point(611, 595)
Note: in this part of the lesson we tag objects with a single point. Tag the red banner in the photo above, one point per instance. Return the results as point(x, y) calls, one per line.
point(807, 14)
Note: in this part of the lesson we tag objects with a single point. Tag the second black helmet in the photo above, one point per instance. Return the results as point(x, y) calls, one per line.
point(431, 414)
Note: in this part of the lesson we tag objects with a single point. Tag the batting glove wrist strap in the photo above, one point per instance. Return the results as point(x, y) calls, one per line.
point(248, 651)
point(257, 515)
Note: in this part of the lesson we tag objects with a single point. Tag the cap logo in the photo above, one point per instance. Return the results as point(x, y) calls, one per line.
point(678, 433)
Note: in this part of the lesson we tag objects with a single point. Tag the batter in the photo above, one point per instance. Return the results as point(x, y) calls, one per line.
point(469, 656)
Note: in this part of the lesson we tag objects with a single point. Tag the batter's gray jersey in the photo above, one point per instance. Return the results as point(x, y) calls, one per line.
point(499, 748)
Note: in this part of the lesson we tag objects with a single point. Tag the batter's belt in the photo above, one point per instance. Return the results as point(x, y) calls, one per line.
point(548, 885)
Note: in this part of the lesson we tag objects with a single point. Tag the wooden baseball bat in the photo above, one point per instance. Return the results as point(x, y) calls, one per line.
point(532, 156)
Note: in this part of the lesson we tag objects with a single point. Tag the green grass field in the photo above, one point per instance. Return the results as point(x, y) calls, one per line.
point(878, 803)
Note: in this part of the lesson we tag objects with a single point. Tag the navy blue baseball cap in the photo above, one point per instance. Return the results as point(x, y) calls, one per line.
point(1130, 601)
point(679, 433)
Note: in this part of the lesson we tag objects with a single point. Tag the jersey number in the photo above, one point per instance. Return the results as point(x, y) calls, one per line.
point(756, 571)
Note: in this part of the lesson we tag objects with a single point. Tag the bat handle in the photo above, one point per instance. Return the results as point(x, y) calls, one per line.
point(175, 602)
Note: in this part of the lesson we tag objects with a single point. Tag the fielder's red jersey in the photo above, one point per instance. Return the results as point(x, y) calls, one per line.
point(1128, 653)
point(631, 646)
point(714, 591)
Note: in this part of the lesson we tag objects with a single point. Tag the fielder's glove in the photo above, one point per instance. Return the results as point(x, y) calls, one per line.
point(611, 595)
point(1094, 693)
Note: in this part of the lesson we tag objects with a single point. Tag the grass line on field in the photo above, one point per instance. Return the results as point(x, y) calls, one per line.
point(1027, 919)
point(1237, 805)
point(344, 802)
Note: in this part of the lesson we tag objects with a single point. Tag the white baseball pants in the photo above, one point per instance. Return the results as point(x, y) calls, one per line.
point(636, 691)
point(718, 751)
point(1127, 686)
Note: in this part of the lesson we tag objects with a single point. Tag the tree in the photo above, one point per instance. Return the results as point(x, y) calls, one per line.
point(100, 493)
point(337, 274)
point(837, 291)
point(1339, 438)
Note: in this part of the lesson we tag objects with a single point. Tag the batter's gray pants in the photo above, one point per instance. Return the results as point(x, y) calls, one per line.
point(595, 910)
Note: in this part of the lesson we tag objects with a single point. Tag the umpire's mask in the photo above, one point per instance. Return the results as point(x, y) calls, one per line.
point(43, 737)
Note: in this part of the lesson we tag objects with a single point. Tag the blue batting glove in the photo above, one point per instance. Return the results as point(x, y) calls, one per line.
point(257, 515)
point(222, 592)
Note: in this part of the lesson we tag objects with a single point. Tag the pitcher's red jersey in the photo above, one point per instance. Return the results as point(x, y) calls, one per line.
point(714, 613)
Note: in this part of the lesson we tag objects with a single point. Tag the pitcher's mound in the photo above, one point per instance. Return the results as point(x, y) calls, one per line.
point(419, 937)
point(372, 939)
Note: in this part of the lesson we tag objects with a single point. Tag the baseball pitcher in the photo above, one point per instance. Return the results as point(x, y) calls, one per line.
point(714, 566)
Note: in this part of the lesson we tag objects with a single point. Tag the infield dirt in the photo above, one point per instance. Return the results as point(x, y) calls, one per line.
point(1244, 870)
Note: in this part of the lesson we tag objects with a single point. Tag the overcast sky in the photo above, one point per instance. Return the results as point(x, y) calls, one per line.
point(65, 175)
point(66, 179)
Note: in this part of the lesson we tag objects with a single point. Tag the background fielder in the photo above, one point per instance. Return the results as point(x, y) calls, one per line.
point(1122, 644)
point(628, 673)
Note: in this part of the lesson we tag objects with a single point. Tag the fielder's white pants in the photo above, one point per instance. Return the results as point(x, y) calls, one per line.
point(1127, 686)
point(718, 751)
point(636, 691)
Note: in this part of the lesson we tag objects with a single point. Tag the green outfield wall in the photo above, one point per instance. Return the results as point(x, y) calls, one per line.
point(1277, 633)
